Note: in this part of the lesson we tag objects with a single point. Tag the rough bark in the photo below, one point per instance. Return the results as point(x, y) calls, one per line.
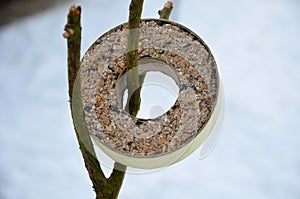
point(133, 80)
point(104, 188)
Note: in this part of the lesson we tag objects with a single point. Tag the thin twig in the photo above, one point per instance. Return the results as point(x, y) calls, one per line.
point(166, 11)
point(133, 82)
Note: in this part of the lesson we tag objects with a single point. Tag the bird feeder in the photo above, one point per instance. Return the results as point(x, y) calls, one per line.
point(166, 47)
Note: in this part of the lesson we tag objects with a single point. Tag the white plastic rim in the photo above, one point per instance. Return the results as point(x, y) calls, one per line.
point(213, 138)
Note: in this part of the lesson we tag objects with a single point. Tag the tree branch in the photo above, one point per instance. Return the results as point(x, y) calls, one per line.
point(104, 188)
point(166, 11)
point(133, 82)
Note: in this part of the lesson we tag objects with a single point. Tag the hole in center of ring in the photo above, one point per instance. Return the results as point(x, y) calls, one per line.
point(159, 91)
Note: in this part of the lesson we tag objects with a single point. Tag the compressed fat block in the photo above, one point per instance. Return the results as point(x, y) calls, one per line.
point(169, 48)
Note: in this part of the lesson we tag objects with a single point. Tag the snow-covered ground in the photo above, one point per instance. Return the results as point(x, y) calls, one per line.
point(257, 47)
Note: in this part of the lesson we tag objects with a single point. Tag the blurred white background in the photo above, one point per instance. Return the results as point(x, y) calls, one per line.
point(257, 47)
